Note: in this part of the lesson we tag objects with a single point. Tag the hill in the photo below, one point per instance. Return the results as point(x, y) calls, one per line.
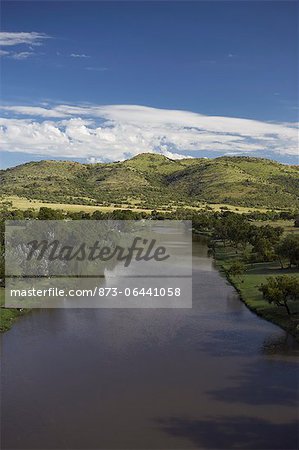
point(153, 180)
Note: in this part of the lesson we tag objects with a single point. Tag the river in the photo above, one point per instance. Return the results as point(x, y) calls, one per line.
point(212, 377)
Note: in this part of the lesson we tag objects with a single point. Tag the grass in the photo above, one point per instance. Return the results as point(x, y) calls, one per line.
point(247, 285)
point(287, 225)
point(236, 209)
point(8, 315)
point(23, 204)
point(156, 180)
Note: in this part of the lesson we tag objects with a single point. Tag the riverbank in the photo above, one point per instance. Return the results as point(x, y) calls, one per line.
point(247, 286)
point(8, 315)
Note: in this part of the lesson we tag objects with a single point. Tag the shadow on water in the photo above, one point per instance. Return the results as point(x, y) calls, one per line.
point(237, 343)
point(242, 340)
point(247, 387)
point(233, 433)
point(214, 376)
point(282, 345)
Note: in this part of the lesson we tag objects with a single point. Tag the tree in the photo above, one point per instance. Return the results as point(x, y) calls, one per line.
point(288, 248)
point(281, 290)
point(272, 234)
point(231, 227)
point(49, 214)
point(97, 215)
point(264, 250)
point(236, 269)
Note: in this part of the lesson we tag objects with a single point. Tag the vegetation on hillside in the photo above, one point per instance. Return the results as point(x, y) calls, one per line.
point(257, 249)
point(152, 181)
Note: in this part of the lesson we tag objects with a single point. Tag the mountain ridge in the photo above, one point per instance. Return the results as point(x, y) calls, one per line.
point(155, 179)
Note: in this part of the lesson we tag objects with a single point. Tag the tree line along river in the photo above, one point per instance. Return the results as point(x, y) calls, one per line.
point(212, 377)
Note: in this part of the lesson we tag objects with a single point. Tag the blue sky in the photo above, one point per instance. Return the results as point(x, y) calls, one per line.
point(184, 73)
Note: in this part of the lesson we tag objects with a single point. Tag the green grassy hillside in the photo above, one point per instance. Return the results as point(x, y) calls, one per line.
point(240, 181)
point(154, 180)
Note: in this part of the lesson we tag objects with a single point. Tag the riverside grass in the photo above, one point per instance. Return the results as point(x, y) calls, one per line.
point(247, 286)
point(8, 315)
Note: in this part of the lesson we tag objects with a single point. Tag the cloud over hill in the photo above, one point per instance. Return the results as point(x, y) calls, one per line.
point(115, 132)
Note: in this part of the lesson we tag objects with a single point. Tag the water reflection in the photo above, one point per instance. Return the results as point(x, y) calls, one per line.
point(214, 376)
point(233, 433)
point(283, 344)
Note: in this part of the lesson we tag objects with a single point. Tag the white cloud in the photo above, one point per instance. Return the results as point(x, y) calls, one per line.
point(21, 55)
point(97, 69)
point(77, 55)
point(15, 38)
point(32, 111)
point(111, 132)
